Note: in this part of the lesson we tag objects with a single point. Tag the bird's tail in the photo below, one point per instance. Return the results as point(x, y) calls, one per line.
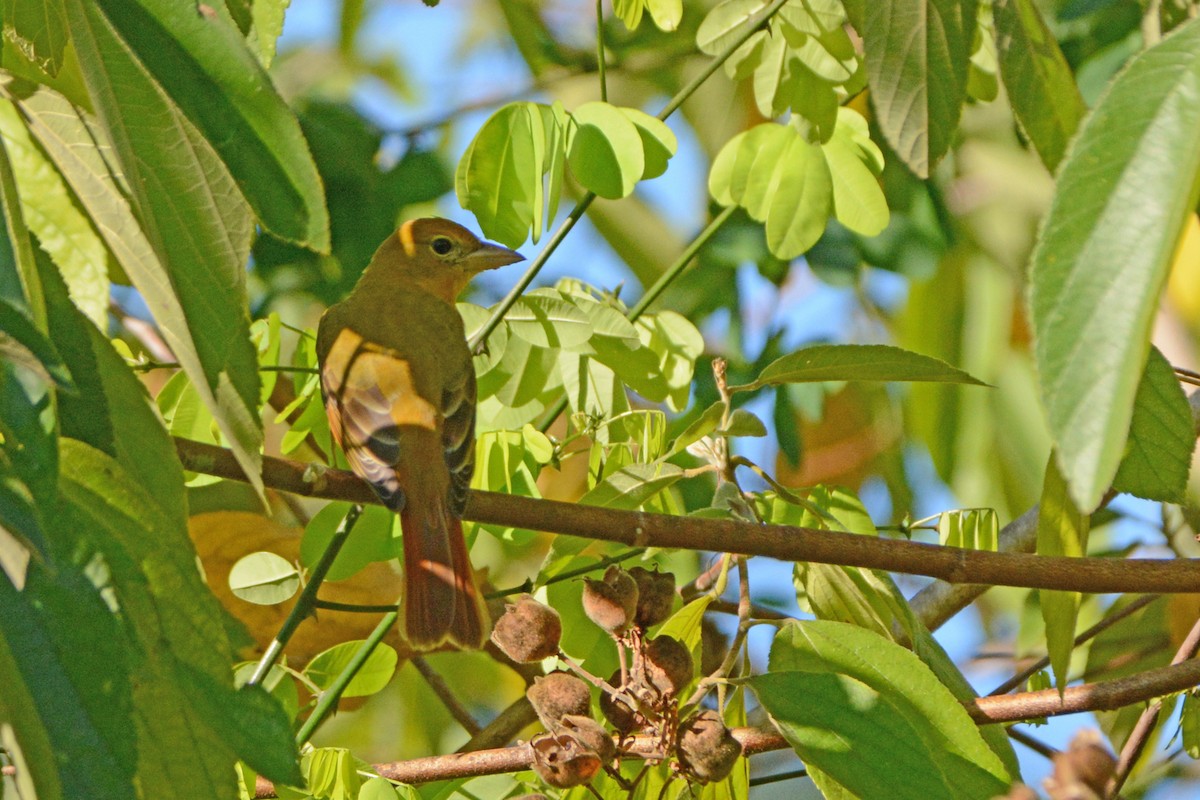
point(441, 599)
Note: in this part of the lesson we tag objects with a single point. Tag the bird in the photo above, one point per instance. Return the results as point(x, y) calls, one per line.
point(398, 383)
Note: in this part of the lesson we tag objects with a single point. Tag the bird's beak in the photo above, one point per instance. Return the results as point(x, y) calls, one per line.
point(491, 256)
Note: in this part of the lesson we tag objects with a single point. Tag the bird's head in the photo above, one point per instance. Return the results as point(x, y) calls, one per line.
point(441, 256)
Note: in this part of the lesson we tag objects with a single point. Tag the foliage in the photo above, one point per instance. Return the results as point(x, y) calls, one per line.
point(179, 191)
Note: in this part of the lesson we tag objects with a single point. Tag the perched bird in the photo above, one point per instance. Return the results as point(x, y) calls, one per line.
point(399, 390)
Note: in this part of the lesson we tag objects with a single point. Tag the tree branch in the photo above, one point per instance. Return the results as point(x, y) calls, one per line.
point(786, 543)
point(1103, 696)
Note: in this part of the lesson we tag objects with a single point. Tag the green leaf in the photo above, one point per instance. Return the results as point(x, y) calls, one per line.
point(857, 362)
point(72, 717)
point(111, 410)
point(1041, 88)
point(500, 176)
point(632, 486)
point(263, 578)
point(724, 23)
point(202, 63)
point(1125, 190)
point(677, 344)
point(544, 319)
point(917, 53)
point(189, 263)
point(743, 423)
point(376, 538)
point(371, 677)
point(665, 13)
point(658, 141)
point(22, 345)
point(836, 691)
point(37, 30)
point(972, 528)
point(591, 386)
point(1189, 725)
point(629, 12)
point(176, 633)
point(700, 427)
point(858, 201)
point(1161, 437)
point(605, 150)
point(266, 26)
point(53, 216)
point(1062, 531)
point(780, 179)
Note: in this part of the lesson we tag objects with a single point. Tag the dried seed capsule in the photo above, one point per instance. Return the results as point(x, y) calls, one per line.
point(563, 761)
point(618, 713)
point(591, 734)
point(668, 665)
point(556, 695)
point(528, 630)
point(707, 749)
point(656, 595)
point(612, 602)
point(1082, 770)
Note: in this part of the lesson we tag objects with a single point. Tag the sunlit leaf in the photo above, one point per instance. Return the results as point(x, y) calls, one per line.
point(858, 362)
point(605, 150)
point(1062, 531)
point(1161, 437)
point(374, 674)
point(1125, 190)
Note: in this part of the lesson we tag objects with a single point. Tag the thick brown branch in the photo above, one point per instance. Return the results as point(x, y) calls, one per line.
point(1104, 696)
point(639, 529)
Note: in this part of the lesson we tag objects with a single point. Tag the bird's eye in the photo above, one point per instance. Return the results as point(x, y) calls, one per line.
point(441, 245)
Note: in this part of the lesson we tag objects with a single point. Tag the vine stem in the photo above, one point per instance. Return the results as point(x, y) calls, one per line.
point(600, 50)
point(580, 207)
point(306, 603)
point(329, 698)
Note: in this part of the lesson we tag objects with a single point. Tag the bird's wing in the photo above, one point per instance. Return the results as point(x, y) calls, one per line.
point(371, 400)
point(458, 439)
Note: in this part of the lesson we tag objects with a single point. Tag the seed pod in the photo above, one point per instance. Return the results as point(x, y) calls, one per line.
point(528, 630)
point(1082, 770)
point(618, 713)
point(612, 602)
point(563, 761)
point(707, 749)
point(668, 665)
point(592, 735)
point(656, 595)
point(556, 695)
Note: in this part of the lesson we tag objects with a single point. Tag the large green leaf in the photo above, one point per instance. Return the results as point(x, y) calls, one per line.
point(37, 30)
point(917, 53)
point(193, 217)
point(203, 64)
point(1125, 189)
point(1040, 85)
point(857, 362)
point(836, 691)
point(71, 714)
point(111, 410)
point(1062, 531)
point(62, 229)
point(176, 640)
point(1161, 437)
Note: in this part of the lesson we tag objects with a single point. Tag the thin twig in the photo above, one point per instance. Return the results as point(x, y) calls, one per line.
point(1147, 722)
point(440, 688)
point(1095, 630)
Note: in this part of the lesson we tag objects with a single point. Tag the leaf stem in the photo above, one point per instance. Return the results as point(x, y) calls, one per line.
point(329, 698)
point(308, 597)
point(600, 50)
